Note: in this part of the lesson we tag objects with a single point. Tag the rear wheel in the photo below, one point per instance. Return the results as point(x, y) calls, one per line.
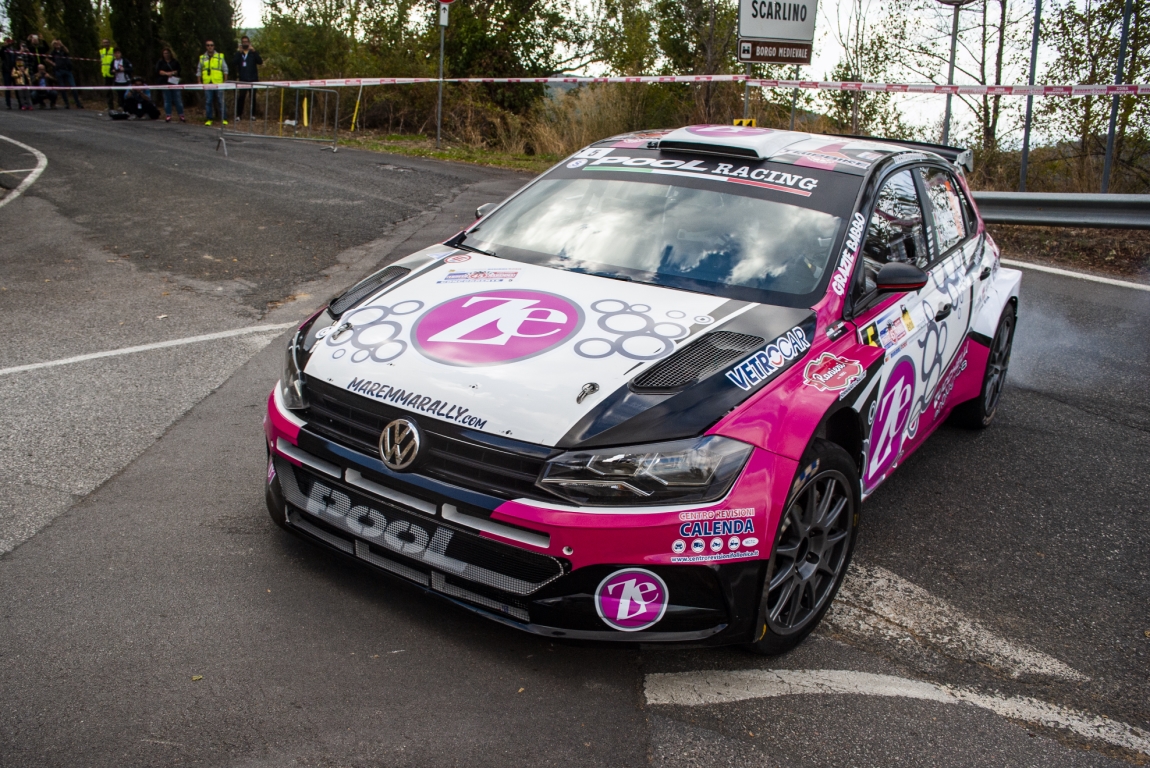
point(979, 412)
point(812, 549)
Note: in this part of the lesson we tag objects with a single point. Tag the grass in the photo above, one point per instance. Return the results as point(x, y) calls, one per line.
point(424, 146)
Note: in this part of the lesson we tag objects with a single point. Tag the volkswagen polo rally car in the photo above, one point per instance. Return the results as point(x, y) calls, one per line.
point(643, 398)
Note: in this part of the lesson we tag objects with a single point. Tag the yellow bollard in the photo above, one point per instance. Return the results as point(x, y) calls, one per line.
point(354, 115)
point(305, 111)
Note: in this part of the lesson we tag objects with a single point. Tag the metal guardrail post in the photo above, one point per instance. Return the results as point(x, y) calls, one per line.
point(1051, 209)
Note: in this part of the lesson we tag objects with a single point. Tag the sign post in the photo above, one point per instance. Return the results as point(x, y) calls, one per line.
point(443, 6)
point(776, 33)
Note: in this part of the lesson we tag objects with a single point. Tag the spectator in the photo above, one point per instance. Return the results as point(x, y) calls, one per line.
point(138, 101)
point(20, 77)
point(168, 72)
point(8, 54)
point(246, 62)
point(212, 69)
point(44, 91)
point(62, 71)
point(37, 52)
point(121, 70)
point(107, 53)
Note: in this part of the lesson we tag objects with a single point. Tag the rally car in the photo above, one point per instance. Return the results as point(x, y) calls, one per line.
point(643, 398)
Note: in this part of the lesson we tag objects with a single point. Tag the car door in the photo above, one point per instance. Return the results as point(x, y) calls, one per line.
point(947, 299)
point(896, 231)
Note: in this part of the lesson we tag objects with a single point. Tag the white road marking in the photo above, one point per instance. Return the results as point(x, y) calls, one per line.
point(726, 686)
point(875, 602)
point(30, 179)
point(21, 170)
point(148, 347)
point(1079, 275)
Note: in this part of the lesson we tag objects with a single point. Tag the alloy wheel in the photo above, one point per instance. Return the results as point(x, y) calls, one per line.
point(811, 553)
point(997, 364)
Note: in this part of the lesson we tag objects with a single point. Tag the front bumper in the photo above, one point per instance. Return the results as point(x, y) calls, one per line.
point(528, 564)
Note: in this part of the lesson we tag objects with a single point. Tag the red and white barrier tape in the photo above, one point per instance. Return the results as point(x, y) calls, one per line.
point(930, 88)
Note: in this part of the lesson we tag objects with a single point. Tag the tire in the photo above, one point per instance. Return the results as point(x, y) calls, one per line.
point(979, 412)
point(812, 549)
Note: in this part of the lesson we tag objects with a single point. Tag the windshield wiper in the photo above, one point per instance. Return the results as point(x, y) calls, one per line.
point(472, 248)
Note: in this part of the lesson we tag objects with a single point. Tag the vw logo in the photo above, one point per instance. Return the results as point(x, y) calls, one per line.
point(399, 444)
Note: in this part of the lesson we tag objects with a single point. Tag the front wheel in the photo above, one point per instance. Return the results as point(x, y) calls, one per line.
point(979, 412)
point(812, 549)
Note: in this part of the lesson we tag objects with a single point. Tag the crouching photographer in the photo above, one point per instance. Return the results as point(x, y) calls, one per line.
point(138, 101)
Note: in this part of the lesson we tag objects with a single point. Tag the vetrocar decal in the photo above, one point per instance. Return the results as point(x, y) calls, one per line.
point(890, 421)
point(631, 600)
point(637, 335)
point(496, 327)
point(759, 366)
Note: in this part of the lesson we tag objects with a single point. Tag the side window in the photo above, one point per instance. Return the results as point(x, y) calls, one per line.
point(946, 207)
point(896, 232)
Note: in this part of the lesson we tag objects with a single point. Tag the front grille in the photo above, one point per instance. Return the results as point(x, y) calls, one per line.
point(698, 360)
point(412, 545)
point(454, 455)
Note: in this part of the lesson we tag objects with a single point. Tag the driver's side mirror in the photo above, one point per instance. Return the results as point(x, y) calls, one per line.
point(485, 209)
point(898, 277)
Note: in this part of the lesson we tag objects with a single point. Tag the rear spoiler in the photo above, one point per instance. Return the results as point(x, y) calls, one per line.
point(963, 158)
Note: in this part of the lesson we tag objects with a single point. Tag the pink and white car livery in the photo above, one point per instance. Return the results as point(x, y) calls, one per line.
point(643, 398)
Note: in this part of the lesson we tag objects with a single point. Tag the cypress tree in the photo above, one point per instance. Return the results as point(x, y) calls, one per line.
point(78, 28)
point(188, 23)
point(23, 18)
point(135, 24)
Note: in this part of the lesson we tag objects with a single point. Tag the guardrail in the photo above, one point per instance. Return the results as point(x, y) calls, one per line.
point(1051, 209)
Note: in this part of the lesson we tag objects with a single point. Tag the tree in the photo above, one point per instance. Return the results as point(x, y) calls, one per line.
point(187, 24)
point(1085, 38)
point(135, 24)
point(23, 17)
point(698, 37)
point(77, 28)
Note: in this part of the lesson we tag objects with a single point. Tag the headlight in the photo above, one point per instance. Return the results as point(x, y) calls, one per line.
point(291, 383)
point(683, 471)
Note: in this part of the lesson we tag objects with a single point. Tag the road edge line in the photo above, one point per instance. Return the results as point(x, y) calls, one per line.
point(30, 179)
point(148, 347)
point(1079, 275)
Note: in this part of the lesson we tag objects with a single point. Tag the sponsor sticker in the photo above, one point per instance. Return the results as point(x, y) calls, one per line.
point(717, 527)
point(458, 258)
point(832, 373)
point(890, 420)
point(496, 327)
point(698, 546)
point(716, 514)
point(631, 600)
point(715, 558)
point(679, 546)
point(480, 276)
point(441, 409)
point(759, 366)
point(850, 252)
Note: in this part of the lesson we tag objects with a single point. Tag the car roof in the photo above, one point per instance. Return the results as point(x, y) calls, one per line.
point(854, 155)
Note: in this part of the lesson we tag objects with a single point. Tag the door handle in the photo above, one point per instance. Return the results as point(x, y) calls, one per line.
point(943, 313)
point(985, 273)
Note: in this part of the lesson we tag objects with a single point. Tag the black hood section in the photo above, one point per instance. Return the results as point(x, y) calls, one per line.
point(629, 417)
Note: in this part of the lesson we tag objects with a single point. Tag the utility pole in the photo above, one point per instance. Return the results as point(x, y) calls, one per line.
point(747, 93)
point(1030, 97)
point(1114, 102)
point(794, 98)
point(443, 6)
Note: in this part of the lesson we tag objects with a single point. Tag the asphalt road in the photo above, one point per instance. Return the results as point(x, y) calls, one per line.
point(151, 614)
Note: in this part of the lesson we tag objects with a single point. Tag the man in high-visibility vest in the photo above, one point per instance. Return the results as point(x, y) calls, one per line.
point(212, 69)
point(106, 68)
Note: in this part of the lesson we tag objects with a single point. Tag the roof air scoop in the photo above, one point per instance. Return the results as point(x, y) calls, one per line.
point(729, 140)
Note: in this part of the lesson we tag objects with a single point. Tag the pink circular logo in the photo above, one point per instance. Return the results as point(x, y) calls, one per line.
point(631, 600)
point(496, 327)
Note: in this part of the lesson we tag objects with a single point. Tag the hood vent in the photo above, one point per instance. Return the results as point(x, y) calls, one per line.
point(696, 361)
point(365, 288)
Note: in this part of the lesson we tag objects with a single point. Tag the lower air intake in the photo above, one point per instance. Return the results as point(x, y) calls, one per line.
point(696, 361)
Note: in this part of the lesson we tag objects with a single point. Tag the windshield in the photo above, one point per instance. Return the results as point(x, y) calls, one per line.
point(664, 233)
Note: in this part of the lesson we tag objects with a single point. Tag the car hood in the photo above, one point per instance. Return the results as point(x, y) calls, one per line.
point(552, 357)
